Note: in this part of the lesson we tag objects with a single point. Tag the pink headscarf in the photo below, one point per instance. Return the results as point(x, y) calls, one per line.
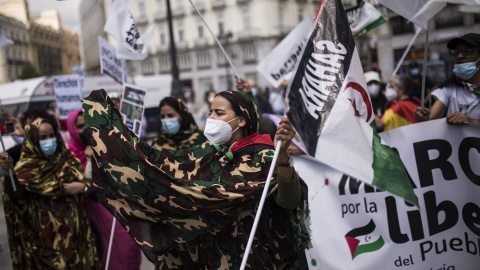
point(75, 143)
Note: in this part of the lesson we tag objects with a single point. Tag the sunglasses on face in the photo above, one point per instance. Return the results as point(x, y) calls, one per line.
point(465, 52)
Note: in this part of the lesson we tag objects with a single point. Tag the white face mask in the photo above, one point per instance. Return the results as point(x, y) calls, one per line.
point(218, 132)
point(210, 100)
point(390, 94)
point(373, 90)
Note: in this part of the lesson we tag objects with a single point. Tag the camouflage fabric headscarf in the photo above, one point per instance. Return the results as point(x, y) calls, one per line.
point(48, 229)
point(187, 136)
point(37, 172)
point(184, 208)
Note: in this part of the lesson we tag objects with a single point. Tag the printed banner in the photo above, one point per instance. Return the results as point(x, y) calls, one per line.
point(68, 94)
point(109, 63)
point(358, 227)
point(281, 61)
point(132, 107)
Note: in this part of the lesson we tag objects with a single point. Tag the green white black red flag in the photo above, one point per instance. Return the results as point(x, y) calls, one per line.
point(332, 112)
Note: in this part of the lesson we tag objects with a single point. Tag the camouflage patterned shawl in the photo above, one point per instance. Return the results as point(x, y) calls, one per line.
point(48, 229)
point(45, 175)
point(185, 208)
point(187, 136)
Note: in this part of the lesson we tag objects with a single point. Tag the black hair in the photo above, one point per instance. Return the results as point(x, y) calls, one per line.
point(35, 113)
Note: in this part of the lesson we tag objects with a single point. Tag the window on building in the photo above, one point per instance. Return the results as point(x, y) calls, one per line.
point(161, 6)
point(300, 14)
point(221, 27)
point(200, 31)
point(163, 40)
point(476, 17)
point(247, 26)
point(448, 17)
point(401, 26)
point(141, 9)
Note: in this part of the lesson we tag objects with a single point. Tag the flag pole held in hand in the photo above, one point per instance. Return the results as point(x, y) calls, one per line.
point(260, 206)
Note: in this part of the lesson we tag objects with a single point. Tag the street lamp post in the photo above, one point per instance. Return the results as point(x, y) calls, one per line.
point(177, 89)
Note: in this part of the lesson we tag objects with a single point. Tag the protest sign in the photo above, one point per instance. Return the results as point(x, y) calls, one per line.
point(132, 107)
point(109, 63)
point(68, 94)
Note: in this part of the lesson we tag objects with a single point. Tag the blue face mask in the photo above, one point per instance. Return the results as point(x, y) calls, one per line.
point(170, 125)
point(414, 72)
point(48, 146)
point(466, 70)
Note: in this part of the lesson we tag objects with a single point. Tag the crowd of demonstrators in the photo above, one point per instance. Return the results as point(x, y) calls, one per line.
point(458, 99)
point(376, 90)
point(200, 187)
point(46, 223)
point(399, 111)
point(417, 81)
point(179, 129)
point(194, 208)
point(125, 253)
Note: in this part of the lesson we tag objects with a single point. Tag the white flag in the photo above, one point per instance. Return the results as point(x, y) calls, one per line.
point(4, 41)
point(121, 26)
point(281, 61)
point(421, 11)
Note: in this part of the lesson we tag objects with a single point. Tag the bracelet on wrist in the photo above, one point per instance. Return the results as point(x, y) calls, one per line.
point(289, 163)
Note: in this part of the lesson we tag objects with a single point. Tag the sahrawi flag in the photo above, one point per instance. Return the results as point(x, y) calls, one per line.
point(364, 18)
point(332, 112)
point(122, 27)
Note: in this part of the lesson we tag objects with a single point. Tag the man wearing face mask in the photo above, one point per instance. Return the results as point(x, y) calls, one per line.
point(376, 91)
point(417, 78)
point(459, 97)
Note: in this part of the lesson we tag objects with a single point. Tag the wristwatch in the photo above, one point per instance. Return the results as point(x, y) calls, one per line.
point(286, 164)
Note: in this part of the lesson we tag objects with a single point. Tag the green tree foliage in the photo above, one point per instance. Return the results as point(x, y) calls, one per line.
point(29, 72)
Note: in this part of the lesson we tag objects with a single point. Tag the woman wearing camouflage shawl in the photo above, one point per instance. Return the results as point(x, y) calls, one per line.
point(47, 226)
point(179, 129)
point(194, 208)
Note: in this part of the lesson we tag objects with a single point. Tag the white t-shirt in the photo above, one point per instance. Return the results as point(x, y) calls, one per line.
point(457, 99)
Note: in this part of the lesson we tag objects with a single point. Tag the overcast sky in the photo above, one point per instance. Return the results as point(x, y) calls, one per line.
point(68, 10)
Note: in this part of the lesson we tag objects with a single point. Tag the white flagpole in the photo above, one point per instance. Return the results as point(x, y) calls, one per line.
point(407, 50)
point(218, 42)
point(260, 206)
point(112, 231)
point(425, 59)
